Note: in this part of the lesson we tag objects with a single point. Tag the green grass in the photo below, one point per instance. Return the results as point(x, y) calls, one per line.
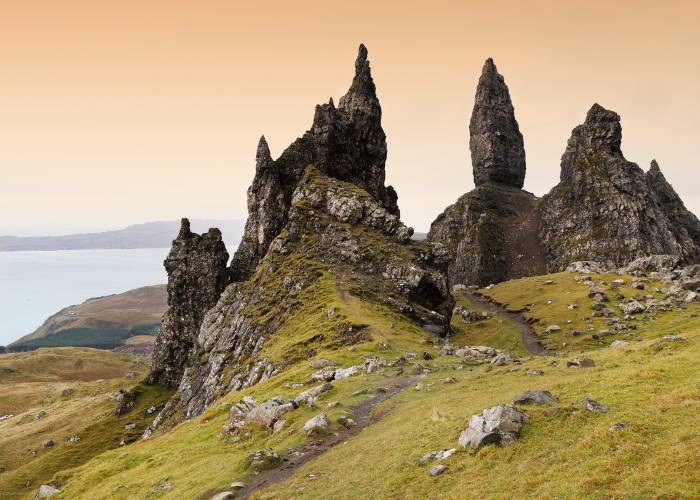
point(105, 433)
point(651, 385)
point(493, 332)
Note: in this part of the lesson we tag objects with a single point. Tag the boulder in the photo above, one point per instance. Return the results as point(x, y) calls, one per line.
point(585, 266)
point(316, 425)
point(632, 307)
point(593, 406)
point(497, 425)
point(536, 397)
point(580, 363)
point(263, 459)
point(47, 491)
point(436, 470)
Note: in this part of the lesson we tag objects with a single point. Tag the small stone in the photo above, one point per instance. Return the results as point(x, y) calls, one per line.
point(48, 444)
point(534, 373)
point(674, 338)
point(74, 438)
point(552, 328)
point(594, 406)
point(130, 426)
point(617, 427)
point(427, 356)
point(536, 397)
point(151, 410)
point(436, 470)
point(321, 363)
point(619, 344)
point(449, 380)
point(224, 495)
point(316, 425)
point(47, 491)
point(580, 363)
point(238, 485)
point(419, 387)
point(553, 412)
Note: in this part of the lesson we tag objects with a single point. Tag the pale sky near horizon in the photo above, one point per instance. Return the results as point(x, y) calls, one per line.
point(114, 113)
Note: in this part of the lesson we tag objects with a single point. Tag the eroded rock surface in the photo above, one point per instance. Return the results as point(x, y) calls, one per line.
point(197, 274)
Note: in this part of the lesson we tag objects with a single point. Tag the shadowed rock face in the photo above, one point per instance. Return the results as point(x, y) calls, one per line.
point(495, 142)
point(604, 208)
point(492, 231)
point(346, 142)
point(607, 209)
point(197, 275)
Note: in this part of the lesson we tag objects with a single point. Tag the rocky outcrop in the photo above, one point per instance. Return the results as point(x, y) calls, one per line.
point(333, 229)
point(197, 274)
point(607, 209)
point(346, 142)
point(604, 209)
point(322, 229)
point(492, 231)
point(495, 141)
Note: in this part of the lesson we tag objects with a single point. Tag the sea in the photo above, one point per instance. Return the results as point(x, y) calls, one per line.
point(34, 285)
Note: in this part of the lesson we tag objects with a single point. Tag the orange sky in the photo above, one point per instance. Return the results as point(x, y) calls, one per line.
point(117, 112)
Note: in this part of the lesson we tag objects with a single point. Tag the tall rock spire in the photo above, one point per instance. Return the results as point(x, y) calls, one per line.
point(495, 142)
point(262, 156)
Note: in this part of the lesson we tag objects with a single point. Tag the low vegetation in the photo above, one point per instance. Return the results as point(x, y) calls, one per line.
point(650, 384)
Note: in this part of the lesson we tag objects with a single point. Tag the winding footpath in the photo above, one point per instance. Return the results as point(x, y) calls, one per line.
point(361, 414)
point(529, 338)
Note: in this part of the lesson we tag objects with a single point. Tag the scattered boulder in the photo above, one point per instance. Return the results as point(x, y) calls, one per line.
point(325, 374)
point(224, 495)
point(67, 392)
point(580, 363)
point(597, 293)
point(263, 459)
point(553, 328)
point(619, 344)
point(617, 427)
point(321, 363)
point(74, 439)
point(309, 397)
point(536, 397)
point(436, 455)
point(348, 372)
point(594, 406)
point(130, 426)
point(436, 470)
point(632, 307)
point(534, 373)
point(497, 425)
point(40, 415)
point(47, 491)
point(48, 444)
point(585, 266)
point(316, 425)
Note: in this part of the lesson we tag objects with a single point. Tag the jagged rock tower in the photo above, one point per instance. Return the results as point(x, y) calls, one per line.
point(488, 231)
point(346, 142)
point(605, 208)
point(323, 230)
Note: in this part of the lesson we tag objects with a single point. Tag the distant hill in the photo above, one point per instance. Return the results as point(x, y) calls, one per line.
point(147, 235)
point(103, 322)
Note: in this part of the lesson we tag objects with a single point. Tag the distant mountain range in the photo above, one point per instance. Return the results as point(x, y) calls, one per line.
point(148, 235)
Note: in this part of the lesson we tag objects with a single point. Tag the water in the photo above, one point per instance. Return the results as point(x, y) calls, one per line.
point(34, 285)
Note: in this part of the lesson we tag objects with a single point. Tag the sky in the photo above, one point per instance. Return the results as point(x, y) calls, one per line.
point(120, 112)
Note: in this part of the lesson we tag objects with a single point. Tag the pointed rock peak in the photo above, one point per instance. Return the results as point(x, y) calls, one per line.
point(601, 131)
point(184, 228)
point(362, 88)
point(262, 156)
point(330, 103)
point(496, 144)
point(598, 114)
point(655, 167)
point(361, 64)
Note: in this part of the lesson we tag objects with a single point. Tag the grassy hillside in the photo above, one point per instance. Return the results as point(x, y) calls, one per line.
point(103, 322)
point(650, 384)
point(53, 394)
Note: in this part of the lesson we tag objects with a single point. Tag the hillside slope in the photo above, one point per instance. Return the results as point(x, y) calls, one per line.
point(101, 321)
point(649, 384)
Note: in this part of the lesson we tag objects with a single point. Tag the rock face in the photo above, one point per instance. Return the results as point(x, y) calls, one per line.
point(607, 209)
point(197, 274)
point(322, 227)
point(492, 232)
point(604, 209)
point(495, 141)
point(345, 142)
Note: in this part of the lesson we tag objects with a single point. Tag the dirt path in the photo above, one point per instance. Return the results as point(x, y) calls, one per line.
point(529, 339)
point(298, 457)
